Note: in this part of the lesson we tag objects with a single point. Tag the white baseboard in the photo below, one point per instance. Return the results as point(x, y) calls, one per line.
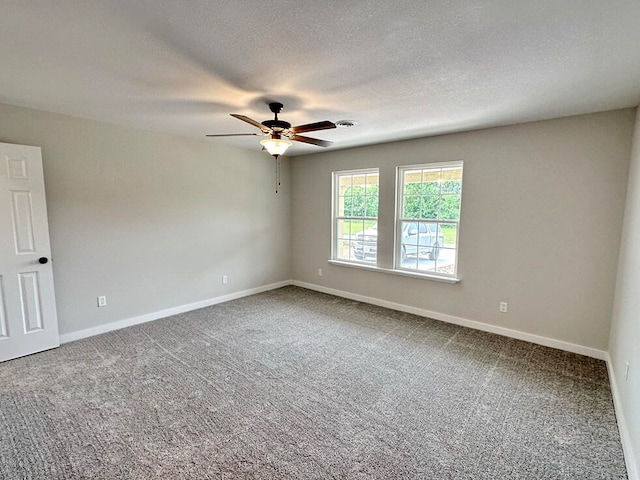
point(148, 317)
point(633, 468)
point(545, 341)
point(485, 327)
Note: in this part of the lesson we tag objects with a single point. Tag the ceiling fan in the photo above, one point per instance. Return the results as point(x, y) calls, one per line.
point(280, 132)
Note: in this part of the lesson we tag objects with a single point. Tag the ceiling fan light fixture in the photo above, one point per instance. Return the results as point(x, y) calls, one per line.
point(276, 146)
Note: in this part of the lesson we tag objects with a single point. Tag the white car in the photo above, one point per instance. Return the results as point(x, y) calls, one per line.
point(418, 238)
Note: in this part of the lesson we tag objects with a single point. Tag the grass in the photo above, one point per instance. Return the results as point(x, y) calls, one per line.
point(449, 233)
point(351, 227)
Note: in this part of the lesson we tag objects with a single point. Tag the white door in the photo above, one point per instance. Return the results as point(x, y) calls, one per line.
point(28, 321)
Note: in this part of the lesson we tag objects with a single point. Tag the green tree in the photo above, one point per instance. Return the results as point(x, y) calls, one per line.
point(432, 200)
point(361, 202)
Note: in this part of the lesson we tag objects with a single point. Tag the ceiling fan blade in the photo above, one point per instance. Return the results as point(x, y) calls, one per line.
point(310, 127)
point(235, 135)
point(312, 141)
point(262, 127)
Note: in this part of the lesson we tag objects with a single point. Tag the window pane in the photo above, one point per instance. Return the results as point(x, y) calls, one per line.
point(452, 174)
point(410, 234)
point(420, 239)
point(431, 188)
point(430, 205)
point(452, 186)
point(346, 231)
point(344, 183)
point(341, 208)
point(449, 234)
point(414, 188)
point(412, 176)
point(371, 206)
point(412, 206)
point(409, 262)
point(365, 246)
point(445, 262)
point(372, 181)
point(432, 175)
point(449, 207)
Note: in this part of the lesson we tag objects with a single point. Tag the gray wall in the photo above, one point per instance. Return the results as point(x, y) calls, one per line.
point(151, 220)
point(625, 330)
point(540, 225)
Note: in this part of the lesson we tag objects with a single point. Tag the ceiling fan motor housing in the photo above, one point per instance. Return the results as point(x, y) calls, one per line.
point(277, 125)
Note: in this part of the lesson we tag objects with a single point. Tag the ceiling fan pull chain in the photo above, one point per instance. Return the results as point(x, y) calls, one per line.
point(277, 172)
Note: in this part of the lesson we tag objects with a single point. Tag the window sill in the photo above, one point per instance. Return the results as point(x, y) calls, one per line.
point(403, 273)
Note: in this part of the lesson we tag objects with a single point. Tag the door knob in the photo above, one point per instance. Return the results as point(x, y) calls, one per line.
point(43, 260)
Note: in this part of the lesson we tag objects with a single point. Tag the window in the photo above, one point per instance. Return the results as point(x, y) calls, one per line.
point(428, 218)
point(355, 216)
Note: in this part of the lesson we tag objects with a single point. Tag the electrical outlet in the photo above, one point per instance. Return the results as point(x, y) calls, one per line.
point(102, 301)
point(319, 272)
point(626, 371)
point(225, 279)
point(504, 307)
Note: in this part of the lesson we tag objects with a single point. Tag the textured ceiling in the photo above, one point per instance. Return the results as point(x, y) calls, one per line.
point(401, 69)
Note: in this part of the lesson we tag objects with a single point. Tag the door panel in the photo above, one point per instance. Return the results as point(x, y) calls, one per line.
point(28, 320)
point(30, 302)
point(3, 316)
point(22, 222)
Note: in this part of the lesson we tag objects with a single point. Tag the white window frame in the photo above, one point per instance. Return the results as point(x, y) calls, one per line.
point(336, 218)
point(399, 219)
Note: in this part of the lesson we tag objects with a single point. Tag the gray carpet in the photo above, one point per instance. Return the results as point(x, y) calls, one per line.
point(296, 384)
